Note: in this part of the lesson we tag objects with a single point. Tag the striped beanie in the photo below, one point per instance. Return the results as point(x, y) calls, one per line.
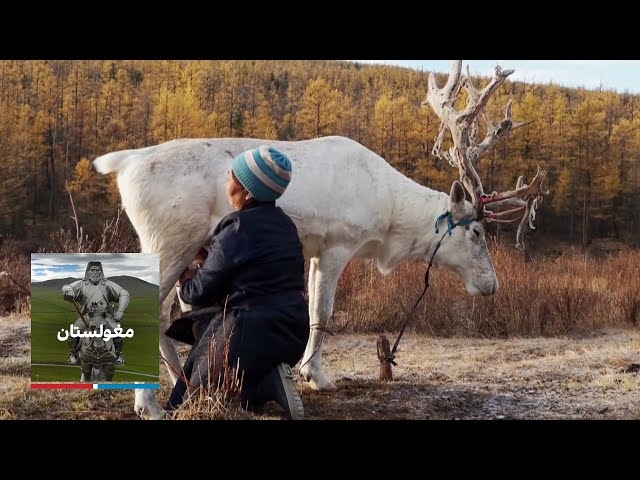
point(264, 171)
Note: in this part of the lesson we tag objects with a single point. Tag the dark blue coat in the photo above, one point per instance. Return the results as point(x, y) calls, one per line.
point(256, 260)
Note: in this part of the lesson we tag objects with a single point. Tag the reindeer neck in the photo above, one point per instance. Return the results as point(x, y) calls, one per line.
point(412, 232)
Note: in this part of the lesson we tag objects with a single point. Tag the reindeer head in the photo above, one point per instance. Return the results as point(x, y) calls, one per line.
point(466, 251)
point(463, 247)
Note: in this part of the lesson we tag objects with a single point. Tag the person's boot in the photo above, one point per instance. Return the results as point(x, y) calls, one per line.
point(73, 348)
point(278, 385)
point(118, 344)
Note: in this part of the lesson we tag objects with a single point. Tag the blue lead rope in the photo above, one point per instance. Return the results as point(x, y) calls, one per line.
point(450, 226)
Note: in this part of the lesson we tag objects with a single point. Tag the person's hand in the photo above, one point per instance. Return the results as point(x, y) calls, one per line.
point(188, 274)
point(200, 257)
point(67, 294)
point(192, 269)
point(118, 316)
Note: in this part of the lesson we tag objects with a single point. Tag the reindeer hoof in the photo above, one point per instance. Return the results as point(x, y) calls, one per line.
point(151, 413)
point(321, 383)
point(147, 408)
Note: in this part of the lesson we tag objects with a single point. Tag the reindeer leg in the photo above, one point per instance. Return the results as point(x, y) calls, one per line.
point(323, 280)
point(146, 404)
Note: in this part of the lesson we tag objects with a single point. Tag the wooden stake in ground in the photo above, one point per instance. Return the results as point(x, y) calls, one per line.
point(384, 350)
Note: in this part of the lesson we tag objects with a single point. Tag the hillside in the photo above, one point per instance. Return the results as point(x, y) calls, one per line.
point(136, 287)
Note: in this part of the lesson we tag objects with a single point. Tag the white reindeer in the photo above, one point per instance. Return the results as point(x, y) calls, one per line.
point(346, 201)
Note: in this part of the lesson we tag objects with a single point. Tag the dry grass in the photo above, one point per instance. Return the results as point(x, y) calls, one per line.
point(220, 398)
point(528, 378)
point(15, 279)
point(118, 236)
point(19, 401)
point(462, 378)
point(578, 374)
point(569, 294)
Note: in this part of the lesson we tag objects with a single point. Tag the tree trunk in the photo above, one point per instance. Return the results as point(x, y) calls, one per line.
point(52, 177)
point(35, 189)
point(52, 191)
point(584, 219)
point(571, 220)
point(585, 212)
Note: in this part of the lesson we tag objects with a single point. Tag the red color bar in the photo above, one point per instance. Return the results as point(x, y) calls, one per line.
point(87, 386)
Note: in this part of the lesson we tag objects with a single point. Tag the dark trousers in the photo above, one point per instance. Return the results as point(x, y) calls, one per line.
point(252, 341)
point(217, 346)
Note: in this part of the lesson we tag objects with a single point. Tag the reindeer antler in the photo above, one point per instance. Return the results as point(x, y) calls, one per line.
point(466, 150)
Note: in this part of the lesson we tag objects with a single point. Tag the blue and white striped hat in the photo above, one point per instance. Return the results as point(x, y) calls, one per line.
point(264, 171)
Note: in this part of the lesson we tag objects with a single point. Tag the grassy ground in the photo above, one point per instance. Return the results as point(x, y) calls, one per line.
point(50, 313)
point(581, 377)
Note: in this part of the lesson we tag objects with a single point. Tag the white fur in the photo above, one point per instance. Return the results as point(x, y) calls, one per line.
point(346, 201)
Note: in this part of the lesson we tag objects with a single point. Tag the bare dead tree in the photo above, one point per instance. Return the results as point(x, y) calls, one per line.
point(75, 218)
point(463, 126)
point(19, 286)
point(118, 236)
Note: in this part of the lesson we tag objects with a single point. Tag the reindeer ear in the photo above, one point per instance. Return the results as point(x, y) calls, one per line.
point(457, 195)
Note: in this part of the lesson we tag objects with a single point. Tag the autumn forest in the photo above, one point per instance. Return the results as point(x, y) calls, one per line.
point(57, 116)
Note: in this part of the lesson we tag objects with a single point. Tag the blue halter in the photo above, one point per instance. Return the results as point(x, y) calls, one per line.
point(450, 224)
